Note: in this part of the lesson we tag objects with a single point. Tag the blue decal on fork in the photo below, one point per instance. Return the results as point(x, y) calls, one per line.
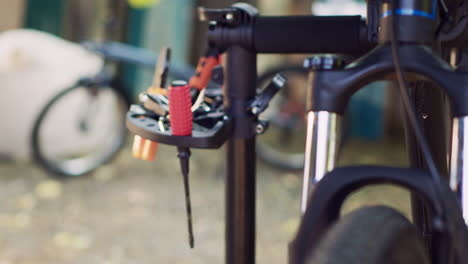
point(413, 12)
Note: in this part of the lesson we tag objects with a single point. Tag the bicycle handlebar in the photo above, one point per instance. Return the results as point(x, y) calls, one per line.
point(309, 34)
point(125, 53)
point(297, 34)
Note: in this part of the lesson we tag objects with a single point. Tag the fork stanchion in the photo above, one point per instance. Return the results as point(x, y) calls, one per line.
point(321, 149)
point(459, 162)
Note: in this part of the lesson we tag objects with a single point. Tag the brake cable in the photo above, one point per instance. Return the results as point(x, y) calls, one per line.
point(410, 109)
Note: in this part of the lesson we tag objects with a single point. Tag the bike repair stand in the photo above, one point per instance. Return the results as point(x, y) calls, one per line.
point(243, 34)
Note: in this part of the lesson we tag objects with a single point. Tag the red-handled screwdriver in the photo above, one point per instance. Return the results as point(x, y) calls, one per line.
point(180, 103)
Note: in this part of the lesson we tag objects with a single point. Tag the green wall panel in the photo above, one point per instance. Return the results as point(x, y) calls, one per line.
point(166, 23)
point(45, 15)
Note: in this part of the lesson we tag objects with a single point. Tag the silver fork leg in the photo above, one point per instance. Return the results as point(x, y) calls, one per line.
point(459, 162)
point(321, 149)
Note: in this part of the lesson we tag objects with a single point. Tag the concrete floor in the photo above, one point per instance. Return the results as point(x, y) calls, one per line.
point(132, 211)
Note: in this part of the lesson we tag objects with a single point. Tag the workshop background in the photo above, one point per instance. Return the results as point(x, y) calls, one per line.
point(132, 211)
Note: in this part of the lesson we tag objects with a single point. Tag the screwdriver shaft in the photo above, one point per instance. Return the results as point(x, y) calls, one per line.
point(184, 154)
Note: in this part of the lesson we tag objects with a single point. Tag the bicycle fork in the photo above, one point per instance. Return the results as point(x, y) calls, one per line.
point(321, 149)
point(459, 162)
point(322, 142)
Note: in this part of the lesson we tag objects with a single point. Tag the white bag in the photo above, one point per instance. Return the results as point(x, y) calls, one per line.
point(34, 66)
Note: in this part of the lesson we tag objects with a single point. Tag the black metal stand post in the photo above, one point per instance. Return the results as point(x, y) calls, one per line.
point(240, 167)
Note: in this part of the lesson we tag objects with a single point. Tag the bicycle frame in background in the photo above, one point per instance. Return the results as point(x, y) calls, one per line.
point(242, 34)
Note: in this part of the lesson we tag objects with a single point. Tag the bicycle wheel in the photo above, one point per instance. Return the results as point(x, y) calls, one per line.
point(371, 235)
point(282, 146)
point(79, 129)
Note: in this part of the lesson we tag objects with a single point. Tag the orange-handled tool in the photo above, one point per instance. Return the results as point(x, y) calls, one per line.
point(146, 149)
point(203, 71)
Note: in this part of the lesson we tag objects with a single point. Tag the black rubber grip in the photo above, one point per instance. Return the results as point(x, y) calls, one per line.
point(309, 34)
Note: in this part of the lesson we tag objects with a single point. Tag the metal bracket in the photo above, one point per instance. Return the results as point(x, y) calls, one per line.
point(226, 16)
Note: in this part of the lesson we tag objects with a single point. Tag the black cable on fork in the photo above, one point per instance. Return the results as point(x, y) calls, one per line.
point(409, 107)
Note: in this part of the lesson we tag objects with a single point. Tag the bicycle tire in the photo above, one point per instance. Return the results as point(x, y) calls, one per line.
point(371, 235)
point(265, 150)
point(60, 168)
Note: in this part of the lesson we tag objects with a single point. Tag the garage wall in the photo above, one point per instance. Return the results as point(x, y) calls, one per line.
point(11, 12)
